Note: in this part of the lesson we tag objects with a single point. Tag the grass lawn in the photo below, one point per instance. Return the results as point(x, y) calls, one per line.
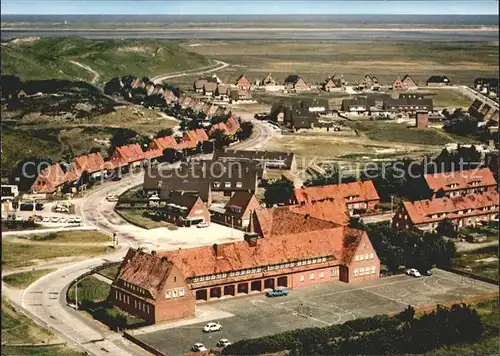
point(142, 219)
point(449, 98)
point(24, 279)
point(490, 232)
point(40, 351)
point(18, 329)
point(470, 259)
point(70, 237)
point(22, 255)
point(110, 272)
point(91, 289)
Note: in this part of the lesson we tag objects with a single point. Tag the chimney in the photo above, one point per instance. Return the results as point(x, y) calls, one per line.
point(218, 251)
point(251, 238)
point(251, 224)
point(306, 216)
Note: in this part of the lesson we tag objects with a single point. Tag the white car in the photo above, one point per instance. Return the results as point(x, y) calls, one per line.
point(202, 225)
point(413, 272)
point(62, 220)
point(212, 327)
point(78, 219)
point(223, 343)
point(54, 219)
point(71, 220)
point(198, 347)
point(46, 219)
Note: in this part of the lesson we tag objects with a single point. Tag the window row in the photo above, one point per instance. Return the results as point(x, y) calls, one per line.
point(227, 184)
point(134, 287)
point(138, 304)
point(368, 256)
point(260, 269)
point(364, 271)
point(174, 293)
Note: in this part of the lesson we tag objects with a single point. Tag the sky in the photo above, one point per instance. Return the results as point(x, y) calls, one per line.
point(248, 7)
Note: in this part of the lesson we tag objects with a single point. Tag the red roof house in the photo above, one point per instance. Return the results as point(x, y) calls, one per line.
point(129, 154)
point(359, 197)
point(243, 83)
point(461, 182)
point(161, 143)
point(49, 180)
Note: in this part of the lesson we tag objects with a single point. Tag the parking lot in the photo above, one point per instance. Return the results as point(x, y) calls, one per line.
point(330, 303)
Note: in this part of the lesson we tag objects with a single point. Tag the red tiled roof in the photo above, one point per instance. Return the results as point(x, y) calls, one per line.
point(232, 124)
point(463, 179)
point(365, 190)
point(130, 153)
point(282, 221)
point(49, 179)
point(151, 154)
point(72, 176)
point(219, 126)
point(164, 142)
point(144, 270)
point(192, 137)
point(421, 211)
point(93, 162)
point(279, 249)
point(330, 210)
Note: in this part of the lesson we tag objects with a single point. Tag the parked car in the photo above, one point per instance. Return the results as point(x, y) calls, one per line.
point(413, 272)
point(111, 198)
point(198, 347)
point(46, 219)
point(78, 219)
point(278, 292)
point(212, 327)
point(62, 221)
point(425, 272)
point(54, 219)
point(71, 220)
point(202, 225)
point(223, 343)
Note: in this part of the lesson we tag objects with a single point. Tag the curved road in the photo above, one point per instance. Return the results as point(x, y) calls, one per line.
point(45, 300)
point(197, 71)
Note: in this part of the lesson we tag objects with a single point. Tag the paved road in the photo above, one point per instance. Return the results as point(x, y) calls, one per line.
point(473, 94)
point(45, 301)
point(87, 68)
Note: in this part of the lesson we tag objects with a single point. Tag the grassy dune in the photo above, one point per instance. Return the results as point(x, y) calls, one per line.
point(50, 58)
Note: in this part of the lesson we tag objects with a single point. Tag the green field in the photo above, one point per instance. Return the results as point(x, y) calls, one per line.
point(26, 254)
point(69, 237)
point(24, 279)
point(18, 329)
point(110, 272)
point(50, 58)
point(470, 261)
point(91, 289)
point(314, 60)
point(142, 219)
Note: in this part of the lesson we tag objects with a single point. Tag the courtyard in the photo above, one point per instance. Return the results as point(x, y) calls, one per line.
point(324, 304)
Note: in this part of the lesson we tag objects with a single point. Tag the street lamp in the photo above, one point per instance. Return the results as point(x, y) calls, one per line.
point(76, 295)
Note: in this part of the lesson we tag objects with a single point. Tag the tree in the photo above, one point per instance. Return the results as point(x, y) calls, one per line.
point(279, 192)
point(220, 139)
point(11, 84)
point(164, 132)
point(245, 131)
point(446, 228)
point(112, 87)
point(122, 137)
point(170, 155)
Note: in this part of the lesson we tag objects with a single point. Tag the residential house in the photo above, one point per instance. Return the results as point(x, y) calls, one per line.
point(199, 84)
point(408, 105)
point(360, 197)
point(487, 86)
point(452, 184)
point(162, 143)
point(295, 83)
point(151, 288)
point(129, 155)
point(243, 83)
point(438, 81)
point(237, 211)
point(92, 163)
point(238, 95)
point(209, 88)
point(463, 211)
point(359, 104)
point(268, 80)
point(192, 138)
point(266, 159)
point(332, 84)
point(221, 92)
point(50, 180)
point(184, 209)
point(407, 83)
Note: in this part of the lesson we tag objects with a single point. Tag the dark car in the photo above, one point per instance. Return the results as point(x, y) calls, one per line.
point(425, 272)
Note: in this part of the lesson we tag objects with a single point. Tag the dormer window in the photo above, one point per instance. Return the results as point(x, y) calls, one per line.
point(239, 184)
point(216, 184)
point(227, 185)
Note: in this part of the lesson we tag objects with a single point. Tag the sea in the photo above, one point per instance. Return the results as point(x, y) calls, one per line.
point(91, 26)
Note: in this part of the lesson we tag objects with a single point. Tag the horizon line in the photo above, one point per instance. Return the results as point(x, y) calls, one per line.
point(267, 14)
